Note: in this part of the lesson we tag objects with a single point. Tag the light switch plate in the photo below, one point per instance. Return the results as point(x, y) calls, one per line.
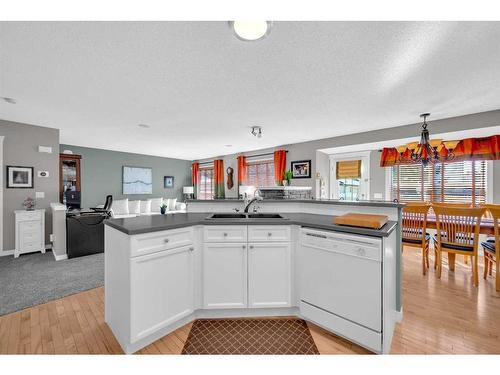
point(40, 194)
point(45, 149)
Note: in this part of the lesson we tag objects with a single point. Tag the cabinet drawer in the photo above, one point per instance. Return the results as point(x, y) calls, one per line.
point(148, 243)
point(30, 226)
point(29, 215)
point(225, 233)
point(28, 247)
point(31, 236)
point(267, 233)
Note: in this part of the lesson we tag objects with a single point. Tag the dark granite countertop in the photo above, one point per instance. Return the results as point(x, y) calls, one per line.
point(154, 223)
point(372, 203)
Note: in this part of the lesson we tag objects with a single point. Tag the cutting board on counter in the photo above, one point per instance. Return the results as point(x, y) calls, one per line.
point(361, 220)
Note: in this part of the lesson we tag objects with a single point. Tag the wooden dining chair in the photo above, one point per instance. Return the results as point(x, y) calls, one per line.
point(458, 205)
point(490, 247)
point(414, 225)
point(457, 233)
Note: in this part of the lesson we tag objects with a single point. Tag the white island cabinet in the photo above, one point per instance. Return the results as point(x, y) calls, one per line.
point(224, 275)
point(157, 281)
point(149, 284)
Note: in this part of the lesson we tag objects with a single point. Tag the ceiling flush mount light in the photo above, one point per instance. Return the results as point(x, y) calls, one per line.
point(427, 150)
point(250, 30)
point(9, 100)
point(256, 131)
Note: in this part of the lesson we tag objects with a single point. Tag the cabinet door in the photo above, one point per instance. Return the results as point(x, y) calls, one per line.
point(161, 290)
point(225, 275)
point(269, 281)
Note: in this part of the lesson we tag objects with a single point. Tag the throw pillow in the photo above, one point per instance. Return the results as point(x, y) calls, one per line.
point(155, 204)
point(120, 207)
point(134, 207)
point(146, 206)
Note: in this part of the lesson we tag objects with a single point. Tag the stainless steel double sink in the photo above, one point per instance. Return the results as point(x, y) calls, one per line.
point(245, 216)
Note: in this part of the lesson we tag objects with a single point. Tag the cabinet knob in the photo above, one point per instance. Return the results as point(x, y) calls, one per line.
point(191, 249)
point(225, 234)
point(243, 247)
point(269, 234)
point(361, 251)
point(166, 240)
point(251, 247)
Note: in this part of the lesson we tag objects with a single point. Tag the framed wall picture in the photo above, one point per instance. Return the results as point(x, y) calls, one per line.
point(168, 182)
point(19, 177)
point(137, 180)
point(301, 168)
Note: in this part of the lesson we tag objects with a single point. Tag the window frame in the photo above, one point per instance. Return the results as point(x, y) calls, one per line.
point(488, 182)
point(202, 169)
point(365, 180)
point(255, 162)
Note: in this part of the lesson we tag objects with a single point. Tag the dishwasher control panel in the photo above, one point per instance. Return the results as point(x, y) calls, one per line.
point(352, 245)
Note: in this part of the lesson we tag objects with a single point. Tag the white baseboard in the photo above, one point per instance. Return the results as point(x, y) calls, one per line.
point(398, 315)
point(60, 257)
point(5, 253)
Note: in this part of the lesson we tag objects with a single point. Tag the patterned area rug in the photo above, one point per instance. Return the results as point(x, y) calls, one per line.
point(250, 336)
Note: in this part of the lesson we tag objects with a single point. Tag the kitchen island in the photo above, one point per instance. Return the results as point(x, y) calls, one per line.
point(162, 272)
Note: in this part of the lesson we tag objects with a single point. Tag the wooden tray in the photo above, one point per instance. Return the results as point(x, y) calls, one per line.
point(361, 220)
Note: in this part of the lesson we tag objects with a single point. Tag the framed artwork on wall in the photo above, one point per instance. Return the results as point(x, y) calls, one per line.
point(168, 182)
point(301, 168)
point(137, 180)
point(19, 177)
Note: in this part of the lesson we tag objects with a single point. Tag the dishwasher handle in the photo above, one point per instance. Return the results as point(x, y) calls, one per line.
point(316, 235)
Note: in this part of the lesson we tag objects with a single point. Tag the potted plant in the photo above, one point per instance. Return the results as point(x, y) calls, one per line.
point(163, 208)
point(287, 178)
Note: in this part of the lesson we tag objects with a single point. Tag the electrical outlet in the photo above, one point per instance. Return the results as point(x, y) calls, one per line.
point(40, 194)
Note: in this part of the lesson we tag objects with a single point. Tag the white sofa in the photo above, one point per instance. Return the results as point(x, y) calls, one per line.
point(125, 208)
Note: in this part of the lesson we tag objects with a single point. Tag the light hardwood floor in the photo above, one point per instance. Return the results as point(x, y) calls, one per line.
point(440, 316)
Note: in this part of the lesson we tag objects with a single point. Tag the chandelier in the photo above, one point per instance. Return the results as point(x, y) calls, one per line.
point(427, 150)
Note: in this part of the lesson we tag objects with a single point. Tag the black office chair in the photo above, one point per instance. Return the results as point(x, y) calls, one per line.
point(107, 205)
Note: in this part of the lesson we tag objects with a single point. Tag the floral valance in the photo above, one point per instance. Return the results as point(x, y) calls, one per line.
point(486, 148)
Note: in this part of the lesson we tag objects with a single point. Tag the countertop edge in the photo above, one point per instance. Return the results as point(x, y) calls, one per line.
point(313, 201)
point(336, 228)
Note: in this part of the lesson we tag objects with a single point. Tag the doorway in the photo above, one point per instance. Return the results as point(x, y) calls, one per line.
point(350, 176)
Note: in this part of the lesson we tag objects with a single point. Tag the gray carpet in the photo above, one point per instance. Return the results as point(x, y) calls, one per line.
point(33, 279)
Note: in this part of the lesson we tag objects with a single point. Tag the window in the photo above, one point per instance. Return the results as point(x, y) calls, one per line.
point(260, 173)
point(206, 188)
point(348, 173)
point(459, 182)
point(348, 189)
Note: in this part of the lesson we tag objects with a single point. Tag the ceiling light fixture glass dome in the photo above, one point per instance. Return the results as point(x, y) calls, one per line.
point(250, 30)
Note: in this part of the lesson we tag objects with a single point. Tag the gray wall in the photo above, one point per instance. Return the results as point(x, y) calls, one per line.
point(21, 148)
point(308, 150)
point(101, 174)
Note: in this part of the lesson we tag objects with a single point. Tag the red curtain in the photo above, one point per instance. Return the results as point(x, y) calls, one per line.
point(219, 179)
point(242, 170)
point(279, 165)
point(195, 173)
point(486, 148)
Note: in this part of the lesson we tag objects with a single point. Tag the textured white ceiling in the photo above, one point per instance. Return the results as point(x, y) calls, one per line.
point(200, 88)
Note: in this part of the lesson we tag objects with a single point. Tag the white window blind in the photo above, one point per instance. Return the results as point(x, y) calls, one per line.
point(206, 188)
point(260, 173)
point(459, 182)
